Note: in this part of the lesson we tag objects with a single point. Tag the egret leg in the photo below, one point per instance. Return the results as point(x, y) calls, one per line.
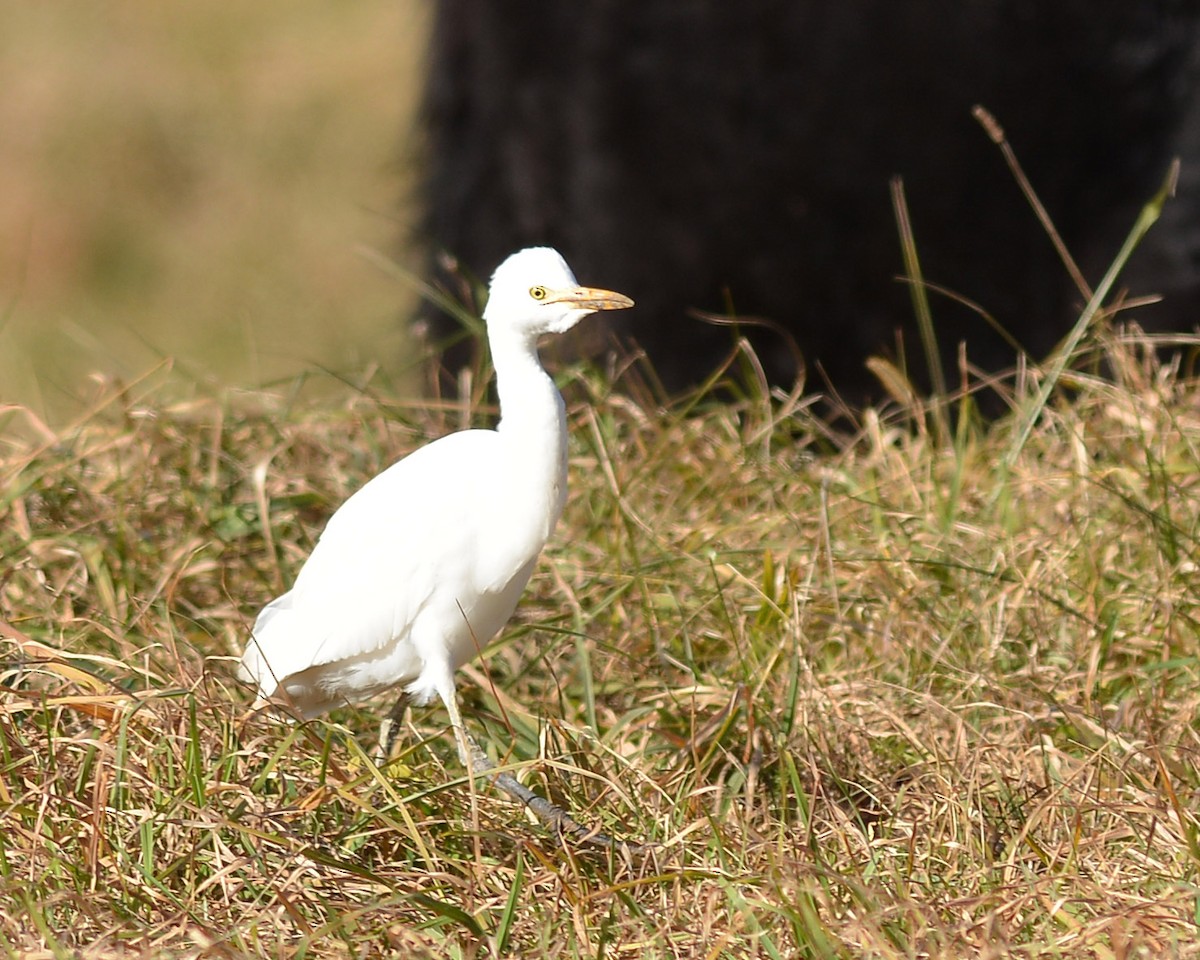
point(551, 814)
point(389, 729)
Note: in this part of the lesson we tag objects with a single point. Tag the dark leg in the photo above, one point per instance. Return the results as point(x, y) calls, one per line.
point(390, 729)
point(554, 816)
point(549, 813)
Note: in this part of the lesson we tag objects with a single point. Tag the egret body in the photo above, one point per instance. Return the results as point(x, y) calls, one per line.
point(421, 567)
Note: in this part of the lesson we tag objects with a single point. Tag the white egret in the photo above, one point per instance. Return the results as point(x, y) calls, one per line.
point(422, 566)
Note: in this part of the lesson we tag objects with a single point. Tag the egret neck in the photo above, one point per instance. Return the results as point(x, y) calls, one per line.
point(532, 427)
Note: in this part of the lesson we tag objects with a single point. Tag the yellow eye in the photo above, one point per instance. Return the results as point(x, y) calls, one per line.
point(538, 293)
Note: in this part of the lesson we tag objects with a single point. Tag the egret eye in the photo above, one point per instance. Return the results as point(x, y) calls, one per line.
point(538, 293)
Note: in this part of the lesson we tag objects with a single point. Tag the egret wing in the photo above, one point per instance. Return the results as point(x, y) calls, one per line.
point(407, 532)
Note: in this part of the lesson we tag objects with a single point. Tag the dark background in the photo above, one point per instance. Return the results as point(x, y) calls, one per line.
point(736, 158)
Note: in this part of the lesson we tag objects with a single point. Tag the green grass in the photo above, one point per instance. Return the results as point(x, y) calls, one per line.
point(865, 692)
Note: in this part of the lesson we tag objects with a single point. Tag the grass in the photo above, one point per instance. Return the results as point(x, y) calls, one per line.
point(868, 693)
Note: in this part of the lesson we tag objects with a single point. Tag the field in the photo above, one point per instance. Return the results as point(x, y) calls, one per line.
point(905, 682)
point(864, 688)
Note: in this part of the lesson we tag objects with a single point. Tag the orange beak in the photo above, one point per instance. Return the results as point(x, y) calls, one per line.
point(590, 298)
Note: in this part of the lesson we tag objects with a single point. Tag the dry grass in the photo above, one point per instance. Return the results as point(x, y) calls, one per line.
point(866, 695)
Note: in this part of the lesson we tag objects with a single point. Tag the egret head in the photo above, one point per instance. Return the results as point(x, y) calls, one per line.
point(534, 292)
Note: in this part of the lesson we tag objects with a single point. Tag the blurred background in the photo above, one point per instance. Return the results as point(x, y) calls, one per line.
point(200, 180)
point(236, 186)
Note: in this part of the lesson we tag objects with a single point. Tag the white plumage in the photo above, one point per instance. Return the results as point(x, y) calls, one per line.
point(421, 567)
